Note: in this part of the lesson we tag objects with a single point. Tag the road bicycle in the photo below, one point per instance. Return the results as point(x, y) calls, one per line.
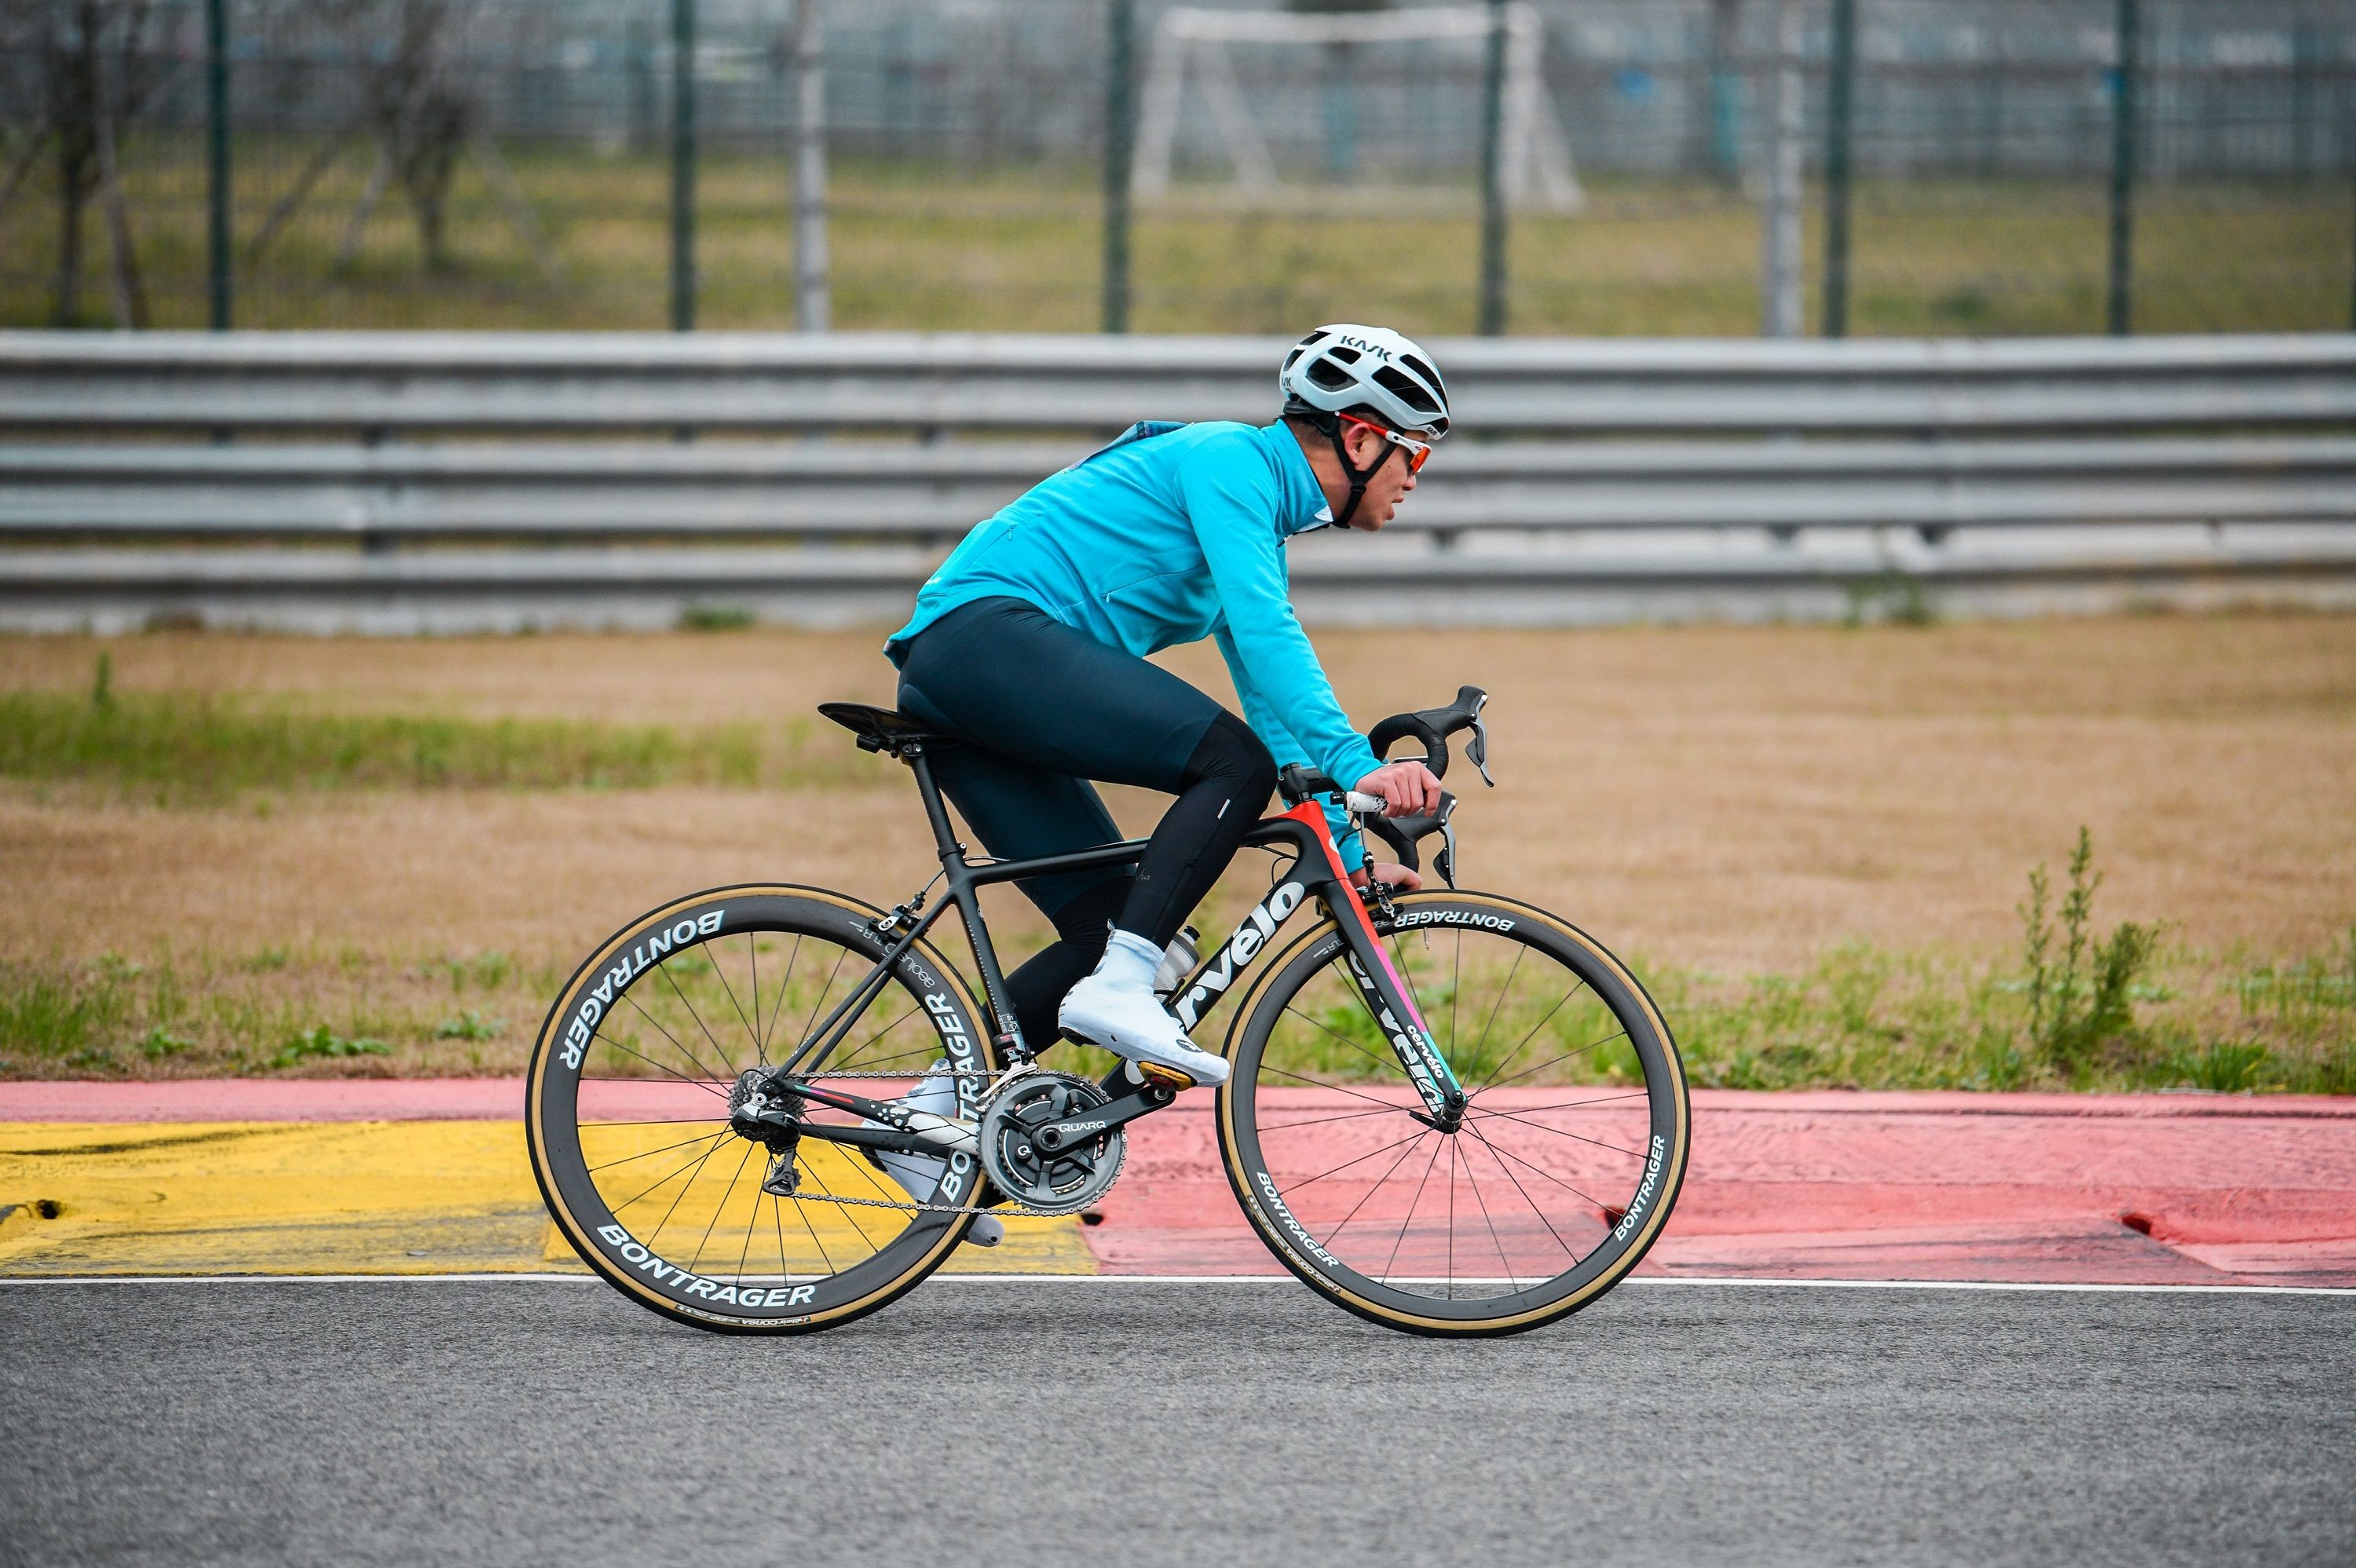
point(771, 1108)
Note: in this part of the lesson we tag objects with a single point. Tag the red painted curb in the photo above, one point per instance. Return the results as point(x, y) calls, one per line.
point(2038, 1188)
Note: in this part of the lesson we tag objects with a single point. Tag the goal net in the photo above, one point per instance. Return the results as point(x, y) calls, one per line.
point(1200, 47)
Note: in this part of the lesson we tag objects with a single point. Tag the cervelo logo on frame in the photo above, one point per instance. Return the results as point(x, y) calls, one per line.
point(639, 1256)
point(633, 964)
point(1250, 936)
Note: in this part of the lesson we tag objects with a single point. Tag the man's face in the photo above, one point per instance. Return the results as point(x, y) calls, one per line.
point(1366, 443)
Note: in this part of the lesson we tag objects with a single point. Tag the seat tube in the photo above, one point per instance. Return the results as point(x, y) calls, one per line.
point(936, 812)
point(961, 892)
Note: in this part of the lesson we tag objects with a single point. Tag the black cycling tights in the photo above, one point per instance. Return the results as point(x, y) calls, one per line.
point(1047, 709)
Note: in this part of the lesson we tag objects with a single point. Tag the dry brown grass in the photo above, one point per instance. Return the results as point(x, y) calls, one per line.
point(1735, 800)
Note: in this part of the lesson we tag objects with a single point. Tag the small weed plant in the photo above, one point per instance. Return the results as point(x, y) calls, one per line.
point(2081, 990)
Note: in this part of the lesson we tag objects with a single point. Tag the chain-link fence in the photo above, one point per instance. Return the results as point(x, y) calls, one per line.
point(1650, 166)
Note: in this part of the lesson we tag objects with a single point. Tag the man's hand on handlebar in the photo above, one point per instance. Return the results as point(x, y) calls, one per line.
point(1406, 788)
point(1398, 878)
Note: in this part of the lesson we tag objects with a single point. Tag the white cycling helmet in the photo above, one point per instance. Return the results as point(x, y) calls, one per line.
point(1346, 368)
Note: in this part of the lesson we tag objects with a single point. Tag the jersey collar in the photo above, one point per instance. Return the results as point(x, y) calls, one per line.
point(1305, 507)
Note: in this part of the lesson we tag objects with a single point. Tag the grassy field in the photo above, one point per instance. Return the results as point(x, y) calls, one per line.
point(267, 855)
point(1017, 250)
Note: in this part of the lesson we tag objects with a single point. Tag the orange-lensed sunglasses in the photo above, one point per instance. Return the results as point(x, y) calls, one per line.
point(1417, 452)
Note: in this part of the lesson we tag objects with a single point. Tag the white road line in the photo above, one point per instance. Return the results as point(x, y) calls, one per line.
point(1728, 1282)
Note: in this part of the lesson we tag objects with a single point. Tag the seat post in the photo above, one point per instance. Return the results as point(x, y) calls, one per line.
point(936, 812)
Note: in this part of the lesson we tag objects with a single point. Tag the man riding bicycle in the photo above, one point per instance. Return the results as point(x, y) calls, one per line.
point(1029, 644)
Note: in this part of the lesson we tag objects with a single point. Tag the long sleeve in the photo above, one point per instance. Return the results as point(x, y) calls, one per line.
point(1283, 746)
point(1232, 503)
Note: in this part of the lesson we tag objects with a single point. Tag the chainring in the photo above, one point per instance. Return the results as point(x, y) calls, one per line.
point(1062, 1181)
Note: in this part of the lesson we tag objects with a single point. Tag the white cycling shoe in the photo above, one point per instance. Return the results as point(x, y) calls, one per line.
point(1116, 1008)
point(918, 1174)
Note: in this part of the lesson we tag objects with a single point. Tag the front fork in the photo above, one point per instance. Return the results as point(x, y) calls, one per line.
point(1392, 1006)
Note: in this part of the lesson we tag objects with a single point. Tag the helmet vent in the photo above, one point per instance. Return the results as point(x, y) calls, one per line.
point(1328, 375)
point(1405, 391)
point(1424, 370)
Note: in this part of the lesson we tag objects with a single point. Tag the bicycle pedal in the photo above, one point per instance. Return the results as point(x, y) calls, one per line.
point(1165, 1077)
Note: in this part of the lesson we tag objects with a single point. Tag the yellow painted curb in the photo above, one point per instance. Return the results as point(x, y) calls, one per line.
point(321, 1198)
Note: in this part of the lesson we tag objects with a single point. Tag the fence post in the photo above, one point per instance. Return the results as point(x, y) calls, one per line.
point(1120, 147)
point(1840, 100)
point(682, 165)
point(812, 307)
point(2123, 149)
point(1493, 177)
point(1778, 236)
point(217, 167)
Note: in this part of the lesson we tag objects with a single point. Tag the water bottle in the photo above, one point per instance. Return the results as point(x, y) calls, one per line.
point(1178, 960)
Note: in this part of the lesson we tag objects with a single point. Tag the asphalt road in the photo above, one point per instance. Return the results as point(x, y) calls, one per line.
point(1117, 1423)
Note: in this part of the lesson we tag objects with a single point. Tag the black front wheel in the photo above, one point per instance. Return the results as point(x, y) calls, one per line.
point(1559, 1177)
point(628, 1111)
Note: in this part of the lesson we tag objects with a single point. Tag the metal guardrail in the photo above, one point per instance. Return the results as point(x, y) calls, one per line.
point(650, 382)
point(1782, 475)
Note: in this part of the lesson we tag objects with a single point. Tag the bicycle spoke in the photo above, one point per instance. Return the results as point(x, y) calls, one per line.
point(769, 1029)
point(1474, 1183)
point(720, 973)
point(1455, 993)
point(718, 1048)
point(1336, 1088)
point(1405, 1155)
point(1413, 1203)
point(713, 1141)
point(1636, 1154)
point(708, 1085)
point(1516, 1180)
point(1498, 1148)
point(1575, 1104)
point(1566, 1056)
point(1523, 1044)
point(648, 1153)
point(694, 1061)
point(1344, 1116)
point(696, 1263)
point(812, 1022)
point(1503, 993)
point(760, 1046)
point(1345, 1040)
point(683, 1191)
point(1358, 1159)
point(653, 1122)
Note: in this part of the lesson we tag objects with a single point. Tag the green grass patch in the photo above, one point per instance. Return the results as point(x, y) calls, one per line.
point(1860, 1018)
point(955, 245)
point(178, 746)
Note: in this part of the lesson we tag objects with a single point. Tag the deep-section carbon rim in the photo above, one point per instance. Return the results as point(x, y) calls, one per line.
point(1573, 1146)
point(628, 1111)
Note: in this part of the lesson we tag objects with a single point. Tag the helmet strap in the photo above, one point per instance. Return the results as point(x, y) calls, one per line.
point(1359, 477)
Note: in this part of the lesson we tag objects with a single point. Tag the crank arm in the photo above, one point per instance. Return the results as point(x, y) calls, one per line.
point(1055, 1135)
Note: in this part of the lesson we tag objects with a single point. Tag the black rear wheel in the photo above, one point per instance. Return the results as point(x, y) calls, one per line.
point(1561, 1174)
point(628, 1111)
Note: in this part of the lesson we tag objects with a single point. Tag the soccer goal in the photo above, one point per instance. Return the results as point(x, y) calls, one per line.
point(1535, 166)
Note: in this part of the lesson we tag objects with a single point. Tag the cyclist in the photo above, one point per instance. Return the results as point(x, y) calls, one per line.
point(1029, 644)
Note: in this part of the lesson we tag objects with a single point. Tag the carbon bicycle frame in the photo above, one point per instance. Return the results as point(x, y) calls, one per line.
point(1316, 871)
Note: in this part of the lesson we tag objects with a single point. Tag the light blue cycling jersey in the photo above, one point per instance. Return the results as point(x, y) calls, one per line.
point(1174, 533)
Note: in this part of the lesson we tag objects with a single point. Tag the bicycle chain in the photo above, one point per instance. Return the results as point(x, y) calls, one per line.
point(912, 1206)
